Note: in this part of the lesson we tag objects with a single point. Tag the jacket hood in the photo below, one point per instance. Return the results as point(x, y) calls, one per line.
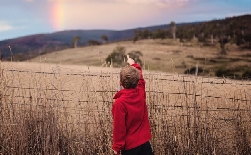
point(124, 91)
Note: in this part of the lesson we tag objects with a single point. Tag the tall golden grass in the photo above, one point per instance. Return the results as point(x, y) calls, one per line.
point(65, 110)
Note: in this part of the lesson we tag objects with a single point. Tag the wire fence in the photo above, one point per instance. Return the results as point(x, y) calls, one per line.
point(67, 111)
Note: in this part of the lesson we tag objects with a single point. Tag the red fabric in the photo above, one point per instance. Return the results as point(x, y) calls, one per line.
point(131, 126)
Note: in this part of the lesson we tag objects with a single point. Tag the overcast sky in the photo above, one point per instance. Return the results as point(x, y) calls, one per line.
point(25, 17)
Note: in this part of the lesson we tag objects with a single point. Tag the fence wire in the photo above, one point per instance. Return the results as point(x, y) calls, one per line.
point(67, 111)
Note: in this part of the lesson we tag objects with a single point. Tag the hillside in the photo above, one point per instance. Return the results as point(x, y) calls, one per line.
point(219, 47)
point(27, 47)
point(160, 55)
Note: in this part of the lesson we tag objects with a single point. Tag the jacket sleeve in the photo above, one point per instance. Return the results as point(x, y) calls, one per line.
point(141, 83)
point(119, 127)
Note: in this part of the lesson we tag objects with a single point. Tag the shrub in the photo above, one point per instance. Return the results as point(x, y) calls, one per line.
point(135, 55)
point(93, 42)
point(117, 57)
point(220, 72)
point(247, 74)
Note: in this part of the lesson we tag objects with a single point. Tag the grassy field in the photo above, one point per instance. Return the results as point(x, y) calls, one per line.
point(159, 55)
point(66, 109)
point(60, 103)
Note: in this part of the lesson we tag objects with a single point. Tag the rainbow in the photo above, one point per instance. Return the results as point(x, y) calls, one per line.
point(57, 15)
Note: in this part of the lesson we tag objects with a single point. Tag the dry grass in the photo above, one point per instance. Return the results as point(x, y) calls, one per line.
point(60, 109)
point(161, 55)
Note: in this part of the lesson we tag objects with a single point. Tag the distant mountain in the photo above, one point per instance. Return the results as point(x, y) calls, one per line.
point(236, 29)
point(30, 46)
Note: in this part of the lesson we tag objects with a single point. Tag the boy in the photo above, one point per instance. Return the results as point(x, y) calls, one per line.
point(131, 127)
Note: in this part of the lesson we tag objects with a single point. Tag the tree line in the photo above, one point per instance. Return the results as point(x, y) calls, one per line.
point(229, 30)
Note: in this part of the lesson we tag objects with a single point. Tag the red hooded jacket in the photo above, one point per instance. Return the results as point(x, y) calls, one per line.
point(131, 127)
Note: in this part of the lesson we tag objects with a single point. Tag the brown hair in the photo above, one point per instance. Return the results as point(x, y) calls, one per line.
point(129, 77)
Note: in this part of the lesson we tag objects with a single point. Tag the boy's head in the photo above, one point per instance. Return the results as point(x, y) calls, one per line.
point(129, 77)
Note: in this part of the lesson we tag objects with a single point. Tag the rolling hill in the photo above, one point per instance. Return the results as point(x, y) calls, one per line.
point(219, 47)
point(166, 55)
point(31, 46)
